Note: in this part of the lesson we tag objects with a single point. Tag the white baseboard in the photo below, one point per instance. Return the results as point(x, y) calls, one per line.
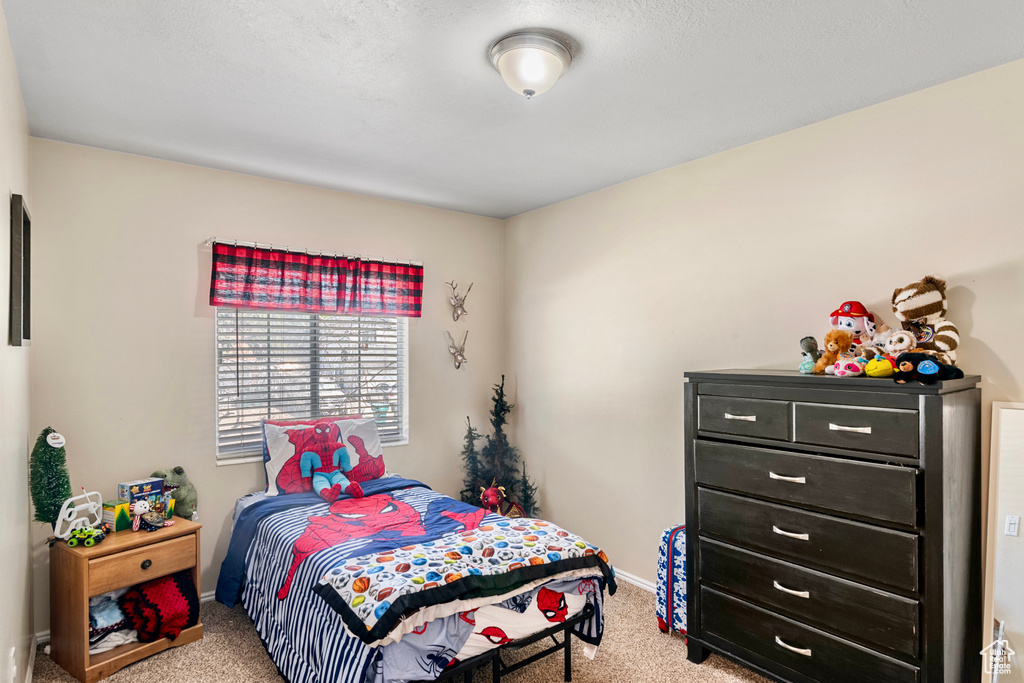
point(44, 636)
point(30, 667)
point(635, 580)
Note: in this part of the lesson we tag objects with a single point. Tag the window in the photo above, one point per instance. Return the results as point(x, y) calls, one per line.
point(281, 365)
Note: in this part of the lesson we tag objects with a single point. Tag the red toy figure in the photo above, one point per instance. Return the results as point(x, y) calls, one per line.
point(492, 498)
point(324, 459)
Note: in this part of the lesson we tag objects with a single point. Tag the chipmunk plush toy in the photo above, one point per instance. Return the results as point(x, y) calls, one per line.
point(920, 307)
point(836, 342)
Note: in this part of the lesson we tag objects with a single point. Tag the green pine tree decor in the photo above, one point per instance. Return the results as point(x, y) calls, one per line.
point(48, 477)
point(528, 495)
point(498, 461)
point(471, 491)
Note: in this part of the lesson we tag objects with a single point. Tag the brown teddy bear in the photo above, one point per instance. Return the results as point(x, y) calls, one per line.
point(837, 342)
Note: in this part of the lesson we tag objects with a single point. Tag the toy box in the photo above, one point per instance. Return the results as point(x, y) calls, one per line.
point(115, 513)
point(150, 489)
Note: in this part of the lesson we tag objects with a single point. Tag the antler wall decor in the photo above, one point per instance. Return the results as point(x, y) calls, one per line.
point(458, 352)
point(458, 302)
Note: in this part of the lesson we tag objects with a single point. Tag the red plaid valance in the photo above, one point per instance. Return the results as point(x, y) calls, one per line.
point(252, 277)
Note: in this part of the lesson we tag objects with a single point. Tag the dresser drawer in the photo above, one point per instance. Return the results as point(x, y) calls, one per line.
point(857, 550)
point(877, 491)
point(743, 416)
point(836, 605)
point(802, 648)
point(879, 430)
point(142, 564)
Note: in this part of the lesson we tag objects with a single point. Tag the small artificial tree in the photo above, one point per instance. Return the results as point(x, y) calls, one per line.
point(497, 463)
point(471, 484)
point(528, 495)
point(499, 460)
point(48, 477)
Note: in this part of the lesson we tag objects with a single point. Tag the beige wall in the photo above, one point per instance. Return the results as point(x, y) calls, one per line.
point(15, 507)
point(123, 356)
point(728, 261)
point(1006, 592)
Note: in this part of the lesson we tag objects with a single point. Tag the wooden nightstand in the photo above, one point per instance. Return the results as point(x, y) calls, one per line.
point(123, 559)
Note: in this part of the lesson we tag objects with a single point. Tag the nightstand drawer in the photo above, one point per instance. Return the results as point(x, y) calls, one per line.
point(141, 564)
point(839, 606)
point(854, 549)
point(807, 650)
point(871, 490)
point(879, 430)
point(743, 416)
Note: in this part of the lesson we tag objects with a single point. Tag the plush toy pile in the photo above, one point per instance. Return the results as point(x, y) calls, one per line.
point(924, 350)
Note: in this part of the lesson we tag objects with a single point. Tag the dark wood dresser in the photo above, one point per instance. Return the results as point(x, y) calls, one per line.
point(834, 526)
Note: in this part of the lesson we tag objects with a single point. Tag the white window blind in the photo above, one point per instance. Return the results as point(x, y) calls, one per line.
point(284, 365)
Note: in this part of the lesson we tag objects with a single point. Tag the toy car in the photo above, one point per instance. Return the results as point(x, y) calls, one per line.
point(87, 536)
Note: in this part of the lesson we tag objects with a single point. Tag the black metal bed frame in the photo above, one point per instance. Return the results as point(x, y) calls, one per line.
point(500, 668)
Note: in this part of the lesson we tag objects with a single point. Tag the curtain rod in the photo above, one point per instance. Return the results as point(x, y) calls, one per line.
point(311, 252)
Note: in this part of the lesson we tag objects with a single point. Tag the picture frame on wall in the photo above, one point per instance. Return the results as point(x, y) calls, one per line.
point(19, 320)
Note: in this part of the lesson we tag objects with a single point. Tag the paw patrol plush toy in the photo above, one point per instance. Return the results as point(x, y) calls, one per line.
point(855, 319)
point(920, 307)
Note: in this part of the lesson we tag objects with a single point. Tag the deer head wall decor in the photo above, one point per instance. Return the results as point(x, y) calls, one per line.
point(458, 302)
point(458, 352)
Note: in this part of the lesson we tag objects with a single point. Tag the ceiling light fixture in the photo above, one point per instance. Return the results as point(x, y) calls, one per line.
point(530, 63)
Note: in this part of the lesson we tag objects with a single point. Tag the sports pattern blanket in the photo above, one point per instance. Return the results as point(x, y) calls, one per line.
point(373, 592)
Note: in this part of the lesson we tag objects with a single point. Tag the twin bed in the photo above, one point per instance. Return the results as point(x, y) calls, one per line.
point(404, 583)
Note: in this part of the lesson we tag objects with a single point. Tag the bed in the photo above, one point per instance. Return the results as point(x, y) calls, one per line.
point(404, 583)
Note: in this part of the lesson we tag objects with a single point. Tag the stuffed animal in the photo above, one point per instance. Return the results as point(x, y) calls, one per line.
point(145, 518)
point(325, 460)
point(879, 336)
point(880, 366)
point(836, 342)
point(848, 366)
point(920, 307)
point(493, 500)
point(924, 369)
point(855, 319)
point(182, 491)
point(900, 342)
point(809, 347)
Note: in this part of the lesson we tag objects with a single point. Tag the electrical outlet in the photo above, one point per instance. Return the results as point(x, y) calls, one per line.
point(1012, 525)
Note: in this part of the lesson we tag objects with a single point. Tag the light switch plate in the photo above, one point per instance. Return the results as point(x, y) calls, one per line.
point(1012, 525)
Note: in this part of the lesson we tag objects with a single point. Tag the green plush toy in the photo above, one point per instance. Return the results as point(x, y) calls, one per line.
point(182, 491)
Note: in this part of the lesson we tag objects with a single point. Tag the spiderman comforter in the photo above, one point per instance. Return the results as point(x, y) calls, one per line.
point(393, 563)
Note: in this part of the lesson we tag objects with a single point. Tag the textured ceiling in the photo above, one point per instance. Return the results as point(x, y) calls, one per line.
point(397, 99)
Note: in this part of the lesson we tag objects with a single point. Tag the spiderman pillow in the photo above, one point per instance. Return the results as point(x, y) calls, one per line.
point(351, 442)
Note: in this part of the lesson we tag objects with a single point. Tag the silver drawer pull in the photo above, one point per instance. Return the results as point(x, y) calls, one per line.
point(745, 418)
point(790, 534)
point(799, 594)
point(798, 650)
point(795, 480)
point(842, 428)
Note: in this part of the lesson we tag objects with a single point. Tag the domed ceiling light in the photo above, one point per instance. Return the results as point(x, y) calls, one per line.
point(530, 63)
